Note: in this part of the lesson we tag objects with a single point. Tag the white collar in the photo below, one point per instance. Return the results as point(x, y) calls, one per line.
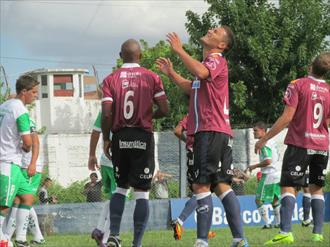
point(216, 53)
point(130, 65)
point(313, 78)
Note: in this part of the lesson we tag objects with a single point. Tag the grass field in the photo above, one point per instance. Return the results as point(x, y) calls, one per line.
point(255, 235)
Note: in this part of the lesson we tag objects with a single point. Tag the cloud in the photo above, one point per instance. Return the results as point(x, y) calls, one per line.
point(92, 29)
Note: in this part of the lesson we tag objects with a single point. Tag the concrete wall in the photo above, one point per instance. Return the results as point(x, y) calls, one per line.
point(67, 154)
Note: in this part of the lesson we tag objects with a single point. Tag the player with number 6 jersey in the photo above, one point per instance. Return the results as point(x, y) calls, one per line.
point(129, 94)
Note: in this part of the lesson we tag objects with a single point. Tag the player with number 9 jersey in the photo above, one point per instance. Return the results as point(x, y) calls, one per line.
point(308, 128)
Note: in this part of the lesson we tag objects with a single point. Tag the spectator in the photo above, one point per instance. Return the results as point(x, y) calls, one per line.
point(43, 193)
point(93, 188)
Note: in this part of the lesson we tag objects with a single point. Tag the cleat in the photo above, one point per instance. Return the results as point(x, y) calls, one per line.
point(201, 243)
point(18, 243)
point(241, 243)
point(40, 242)
point(114, 241)
point(317, 237)
point(97, 235)
point(306, 223)
point(211, 234)
point(281, 238)
point(177, 229)
point(267, 227)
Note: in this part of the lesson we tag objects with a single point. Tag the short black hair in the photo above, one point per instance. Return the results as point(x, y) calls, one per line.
point(230, 37)
point(25, 82)
point(261, 125)
point(93, 174)
point(321, 64)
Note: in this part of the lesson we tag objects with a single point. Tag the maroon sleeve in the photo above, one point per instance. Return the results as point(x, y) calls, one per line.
point(216, 65)
point(291, 95)
point(159, 92)
point(183, 122)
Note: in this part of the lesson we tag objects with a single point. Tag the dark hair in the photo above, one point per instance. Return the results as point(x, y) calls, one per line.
point(94, 174)
point(261, 125)
point(321, 64)
point(25, 82)
point(47, 179)
point(230, 37)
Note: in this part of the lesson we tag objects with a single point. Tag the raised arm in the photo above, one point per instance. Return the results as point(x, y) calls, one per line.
point(194, 66)
point(166, 67)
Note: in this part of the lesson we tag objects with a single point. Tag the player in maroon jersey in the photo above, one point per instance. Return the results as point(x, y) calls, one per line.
point(306, 112)
point(129, 94)
point(209, 122)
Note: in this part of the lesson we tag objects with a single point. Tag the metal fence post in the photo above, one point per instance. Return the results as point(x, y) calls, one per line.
point(183, 169)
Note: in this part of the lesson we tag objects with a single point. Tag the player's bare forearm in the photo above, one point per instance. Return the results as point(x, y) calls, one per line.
point(180, 81)
point(106, 121)
point(35, 148)
point(162, 109)
point(194, 66)
point(93, 142)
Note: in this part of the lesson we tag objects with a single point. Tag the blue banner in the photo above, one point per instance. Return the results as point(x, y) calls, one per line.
point(249, 212)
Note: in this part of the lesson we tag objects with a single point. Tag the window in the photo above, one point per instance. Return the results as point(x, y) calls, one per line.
point(44, 95)
point(44, 80)
point(63, 86)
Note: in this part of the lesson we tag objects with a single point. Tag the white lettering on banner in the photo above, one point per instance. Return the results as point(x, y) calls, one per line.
point(250, 216)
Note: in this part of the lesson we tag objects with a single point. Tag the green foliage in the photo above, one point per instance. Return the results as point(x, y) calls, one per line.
point(250, 186)
point(72, 194)
point(274, 45)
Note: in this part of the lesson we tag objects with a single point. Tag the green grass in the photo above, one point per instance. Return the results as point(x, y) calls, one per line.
point(255, 235)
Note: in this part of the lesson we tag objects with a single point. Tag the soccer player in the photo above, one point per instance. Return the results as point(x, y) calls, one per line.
point(32, 171)
point(208, 121)
point(15, 138)
point(129, 94)
point(306, 112)
point(102, 230)
point(191, 204)
point(268, 190)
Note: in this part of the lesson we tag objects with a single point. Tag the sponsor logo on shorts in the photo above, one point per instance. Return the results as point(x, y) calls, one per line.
point(146, 170)
point(132, 145)
point(230, 172)
point(324, 172)
point(145, 176)
point(321, 178)
point(298, 168)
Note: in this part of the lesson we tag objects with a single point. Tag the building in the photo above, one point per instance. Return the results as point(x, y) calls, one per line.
point(68, 100)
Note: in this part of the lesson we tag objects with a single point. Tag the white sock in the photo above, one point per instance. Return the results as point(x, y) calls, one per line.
point(22, 222)
point(106, 229)
point(103, 216)
point(277, 214)
point(11, 222)
point(34, 226)
point(263, 212)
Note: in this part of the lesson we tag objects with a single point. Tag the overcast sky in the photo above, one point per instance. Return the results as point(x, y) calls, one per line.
point(76, 34)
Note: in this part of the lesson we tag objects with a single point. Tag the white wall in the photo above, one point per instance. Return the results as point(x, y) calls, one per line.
point(67, 154)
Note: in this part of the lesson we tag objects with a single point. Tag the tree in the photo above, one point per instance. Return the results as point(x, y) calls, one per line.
point(274, 45)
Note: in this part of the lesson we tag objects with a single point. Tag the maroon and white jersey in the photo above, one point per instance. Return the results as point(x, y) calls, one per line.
point(308, 128)
point(209, 99)
point(189, 138)
point(132, 90)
